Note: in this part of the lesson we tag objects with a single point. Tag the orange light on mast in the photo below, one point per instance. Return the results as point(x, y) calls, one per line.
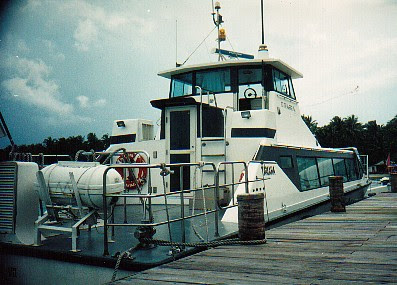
point(222, 35)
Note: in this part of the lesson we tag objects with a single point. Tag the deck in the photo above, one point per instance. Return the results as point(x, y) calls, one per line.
point(359, 246)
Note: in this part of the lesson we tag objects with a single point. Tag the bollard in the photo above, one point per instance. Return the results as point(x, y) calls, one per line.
point(393, 182)
point(251, 216)
point(336, 194)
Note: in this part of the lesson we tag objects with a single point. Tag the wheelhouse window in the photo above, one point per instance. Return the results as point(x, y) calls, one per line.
point(181, 85)
point(250, 82)
point(214, 81)
point(308, 174)
point(352, 171)
point(283, 84)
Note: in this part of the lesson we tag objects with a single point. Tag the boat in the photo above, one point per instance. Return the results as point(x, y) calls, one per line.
point(228, 127)
point(384, 180)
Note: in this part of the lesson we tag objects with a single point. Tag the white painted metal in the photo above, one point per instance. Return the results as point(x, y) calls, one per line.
point(283, 198)
point(27, 203)
point(252, 62)
point(143, 129)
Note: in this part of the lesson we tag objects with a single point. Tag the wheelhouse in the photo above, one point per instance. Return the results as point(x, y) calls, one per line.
point(248, 81)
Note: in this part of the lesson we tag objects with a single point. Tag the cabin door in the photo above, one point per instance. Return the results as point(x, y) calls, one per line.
point(181, 133)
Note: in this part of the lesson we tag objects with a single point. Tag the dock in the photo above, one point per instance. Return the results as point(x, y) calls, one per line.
point(359, 246)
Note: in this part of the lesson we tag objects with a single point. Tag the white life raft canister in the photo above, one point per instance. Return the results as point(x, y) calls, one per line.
point(89, 180)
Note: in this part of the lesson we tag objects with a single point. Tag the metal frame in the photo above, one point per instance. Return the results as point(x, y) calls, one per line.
point(52, 213)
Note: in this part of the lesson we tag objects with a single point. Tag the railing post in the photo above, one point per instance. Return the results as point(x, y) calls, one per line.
point(233, 183)
point(216, 194)
point(246, 177)
point(105, 216)
point(125, 198)
point(182, 205)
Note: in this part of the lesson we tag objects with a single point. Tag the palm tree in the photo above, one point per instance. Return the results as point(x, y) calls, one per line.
point(310, 123)
point(353, 130)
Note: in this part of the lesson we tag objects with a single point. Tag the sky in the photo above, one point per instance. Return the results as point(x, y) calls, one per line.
point(72, 67)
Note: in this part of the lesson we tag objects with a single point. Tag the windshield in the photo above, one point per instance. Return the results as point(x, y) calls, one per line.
point(233, 79)
point(214, 81)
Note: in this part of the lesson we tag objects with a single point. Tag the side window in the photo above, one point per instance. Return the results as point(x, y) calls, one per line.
point(286, 161)
point(352, 173)
point(181, 85)
point(325, 169)
point(308, 174)
point(340, 169)
point(282, 83)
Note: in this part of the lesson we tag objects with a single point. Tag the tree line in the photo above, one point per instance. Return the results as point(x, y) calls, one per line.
point(69, 146)
point(371, 138)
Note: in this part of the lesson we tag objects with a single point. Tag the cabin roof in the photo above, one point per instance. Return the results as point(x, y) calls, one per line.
point(249, 62)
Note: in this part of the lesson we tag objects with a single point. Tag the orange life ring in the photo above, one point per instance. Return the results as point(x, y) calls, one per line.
point(140, 173)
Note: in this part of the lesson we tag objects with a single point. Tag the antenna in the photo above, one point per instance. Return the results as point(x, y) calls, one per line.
point(176, 44)
point(263, 25)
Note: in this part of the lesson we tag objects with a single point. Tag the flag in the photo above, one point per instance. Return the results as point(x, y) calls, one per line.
point(388, 161)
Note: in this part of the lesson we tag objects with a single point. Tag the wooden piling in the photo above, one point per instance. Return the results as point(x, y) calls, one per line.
point(336, 194)
point(393, 182)
point(251, 217)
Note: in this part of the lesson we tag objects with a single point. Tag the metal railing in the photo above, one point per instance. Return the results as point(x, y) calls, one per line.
point(146, 199)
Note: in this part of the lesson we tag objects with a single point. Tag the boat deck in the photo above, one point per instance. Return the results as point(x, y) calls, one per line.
point(333, 248)
point(58, 246)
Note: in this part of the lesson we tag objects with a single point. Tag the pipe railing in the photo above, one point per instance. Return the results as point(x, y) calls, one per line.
point(165, 169)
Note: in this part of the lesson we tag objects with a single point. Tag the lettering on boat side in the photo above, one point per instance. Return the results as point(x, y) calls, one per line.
point(268, 170)
point(288, 106)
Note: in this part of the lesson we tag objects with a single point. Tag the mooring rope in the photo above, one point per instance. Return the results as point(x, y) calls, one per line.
point(209, 244)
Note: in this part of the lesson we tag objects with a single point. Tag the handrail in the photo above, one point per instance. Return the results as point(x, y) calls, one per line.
point(165, 171)
point(149, 195)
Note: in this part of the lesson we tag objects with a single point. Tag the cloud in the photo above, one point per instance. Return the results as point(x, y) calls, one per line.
point(85, 34)
point(100, 103)
point(32, 85)
point(22, 46)
point(53, 50)
point(84, 102)
point(94, 22)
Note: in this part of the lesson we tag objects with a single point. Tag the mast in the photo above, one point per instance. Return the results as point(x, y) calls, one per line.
point(263, 25)
point(221, 32)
